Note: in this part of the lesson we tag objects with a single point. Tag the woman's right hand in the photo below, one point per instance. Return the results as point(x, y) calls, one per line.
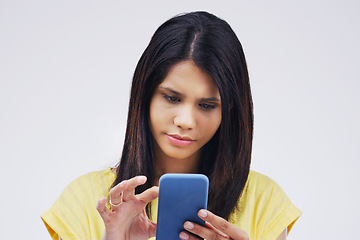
point(127, 218)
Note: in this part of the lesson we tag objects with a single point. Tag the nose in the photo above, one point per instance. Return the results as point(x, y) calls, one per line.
point(185, 118)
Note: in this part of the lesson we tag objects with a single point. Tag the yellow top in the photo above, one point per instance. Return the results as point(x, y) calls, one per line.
point(264, 210)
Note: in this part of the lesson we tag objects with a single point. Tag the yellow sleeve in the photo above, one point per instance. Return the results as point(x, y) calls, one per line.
point(74, 214)
point(264, 210)
point(67, 217)
point(280, 213)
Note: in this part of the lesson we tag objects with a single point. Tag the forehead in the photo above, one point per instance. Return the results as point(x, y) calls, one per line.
point(187, 78)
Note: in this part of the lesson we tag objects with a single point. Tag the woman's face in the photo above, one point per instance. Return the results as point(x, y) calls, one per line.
point(185, 111)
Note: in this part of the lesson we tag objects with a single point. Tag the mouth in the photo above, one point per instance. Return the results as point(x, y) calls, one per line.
point(179, 140)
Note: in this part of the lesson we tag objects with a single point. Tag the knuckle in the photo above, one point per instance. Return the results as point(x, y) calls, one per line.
point(215, 237)
point(195, 237)
point(198, 230)
point(223, 226)
point(141, 199)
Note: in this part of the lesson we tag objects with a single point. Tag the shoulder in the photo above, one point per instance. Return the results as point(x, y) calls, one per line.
point(264, 190)
point(95, 179)
point(260, 182)
point(97, 182)
point(75, 208)
point(258, 177)
point(105, 175)
point(265, 205)
point(88, 188)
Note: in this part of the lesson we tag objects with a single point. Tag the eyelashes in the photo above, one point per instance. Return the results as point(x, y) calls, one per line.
point(171, 99)
point(176, 100)
point(207, 106)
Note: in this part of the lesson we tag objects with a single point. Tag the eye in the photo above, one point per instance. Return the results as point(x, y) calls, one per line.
point(206, 106)
point(171, 99)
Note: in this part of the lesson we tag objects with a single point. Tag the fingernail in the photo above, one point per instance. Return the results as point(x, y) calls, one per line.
point(202, 214)
point(141, 179)
point(188, 225)
point(184, 235)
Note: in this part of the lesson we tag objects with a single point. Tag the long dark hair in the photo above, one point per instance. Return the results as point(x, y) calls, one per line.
point(213, 46)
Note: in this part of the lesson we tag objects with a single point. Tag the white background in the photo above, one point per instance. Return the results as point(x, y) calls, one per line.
point(65, 73)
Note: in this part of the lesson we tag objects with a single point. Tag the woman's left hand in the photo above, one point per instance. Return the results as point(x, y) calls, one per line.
point(215, 228)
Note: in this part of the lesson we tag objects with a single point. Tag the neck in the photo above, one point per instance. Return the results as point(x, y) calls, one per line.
point(165, 164)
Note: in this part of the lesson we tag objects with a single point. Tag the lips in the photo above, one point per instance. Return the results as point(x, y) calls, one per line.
point(179, 140)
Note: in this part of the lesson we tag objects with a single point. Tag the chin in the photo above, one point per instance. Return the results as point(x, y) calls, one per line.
point(180, 154)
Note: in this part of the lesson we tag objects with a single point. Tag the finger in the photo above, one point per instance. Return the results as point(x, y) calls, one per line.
point(209, 225)
point(216, 221)
point(222, 225)
point(130, 185)
point(115, 193)
point(187, 236)
point(103, 211)
point(204, 232)
point(148, 195)
point(125, 187)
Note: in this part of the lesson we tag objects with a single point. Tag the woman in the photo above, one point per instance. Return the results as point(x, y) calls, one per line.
point(190, 111)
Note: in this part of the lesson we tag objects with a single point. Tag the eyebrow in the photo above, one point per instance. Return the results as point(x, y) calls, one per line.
point(211, 99)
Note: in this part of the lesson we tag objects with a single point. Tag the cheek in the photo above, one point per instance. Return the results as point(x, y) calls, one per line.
point(215, 125)
point(211, 125)
point(216, 119)
point(158, 115)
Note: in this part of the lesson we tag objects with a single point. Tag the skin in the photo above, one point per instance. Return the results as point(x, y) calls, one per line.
point(186, 105)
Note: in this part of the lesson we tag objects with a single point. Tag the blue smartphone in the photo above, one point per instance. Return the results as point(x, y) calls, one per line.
point(181, 196)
